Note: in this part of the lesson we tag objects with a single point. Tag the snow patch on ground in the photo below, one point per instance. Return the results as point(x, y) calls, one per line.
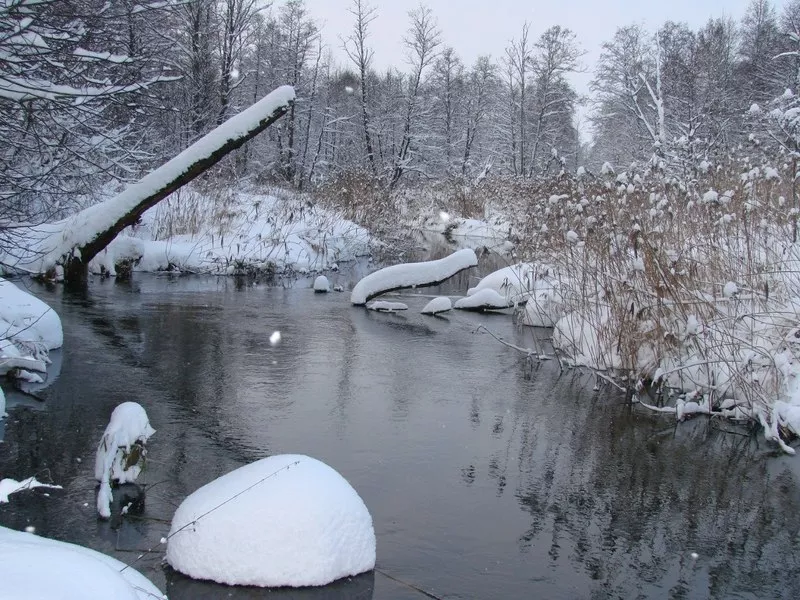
point(37, 567)
point(286, 520)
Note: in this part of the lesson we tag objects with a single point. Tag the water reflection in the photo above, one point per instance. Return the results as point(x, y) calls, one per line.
point(486, 476)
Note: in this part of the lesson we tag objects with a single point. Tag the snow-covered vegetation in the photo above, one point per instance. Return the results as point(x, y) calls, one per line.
point(286, 520)
point(121, 452)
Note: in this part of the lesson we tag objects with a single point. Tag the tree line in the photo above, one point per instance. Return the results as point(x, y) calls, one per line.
point(97, 92)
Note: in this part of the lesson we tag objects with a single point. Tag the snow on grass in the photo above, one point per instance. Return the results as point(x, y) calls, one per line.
point(37, 567)
point(286, 520)
point(120, 453)
point(411, 275)
point(437, 305)
point(29, 329)
point(484, 299)
point(386, 306)
point(51, 242)
point(11, 486)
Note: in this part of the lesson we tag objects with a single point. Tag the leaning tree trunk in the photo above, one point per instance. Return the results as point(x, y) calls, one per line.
point(91, 230)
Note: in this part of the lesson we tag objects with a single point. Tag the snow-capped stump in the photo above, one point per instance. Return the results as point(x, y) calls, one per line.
point(408, 275)
point(121, 452)
point(37, 567)
point(437, 305)
point(514, 282)
point(321, 285)
point(287, 520)
point(385, 306)
point(486, 299)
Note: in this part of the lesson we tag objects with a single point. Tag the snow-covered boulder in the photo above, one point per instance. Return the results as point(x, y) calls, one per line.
point(437, 305)
point(286, 520)
point(386, 306)
point(545, 306)
point(37, 567)
point(411, 275)
point(30, 329)
point(321, 285)
point(121, 451)
point(485, 299)
point(514, 282)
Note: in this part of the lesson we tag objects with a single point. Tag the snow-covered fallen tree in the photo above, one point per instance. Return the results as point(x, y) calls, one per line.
point(412, 275)
point(75, 241)
point(121, 451)
point(286, 520)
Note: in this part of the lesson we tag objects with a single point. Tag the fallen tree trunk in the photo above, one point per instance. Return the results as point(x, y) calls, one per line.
point(88, 232)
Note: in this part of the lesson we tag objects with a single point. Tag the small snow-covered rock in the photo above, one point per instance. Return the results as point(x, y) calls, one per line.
point(321, 284)
point(485, 299)
point(514, 282)
point(386, 306)
point(437, 305)
point(287, 520)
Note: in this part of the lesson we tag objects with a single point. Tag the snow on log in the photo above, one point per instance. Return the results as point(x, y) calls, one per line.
point(81, 237)
point(437, 305)
point(286, 520)
point(386, 306)
point(410, 275)
point(485, 299)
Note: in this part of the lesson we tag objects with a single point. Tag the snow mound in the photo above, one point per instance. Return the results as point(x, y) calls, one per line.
point(545, 306)
point(514, 282)
point(30, 329)
point(321, 284)
point(437, 305)
point(287, 520)
point(385, 306)
point(120, 452)
point(483, 300)
point(36, 567)
point(412, 275)
point(11, 486)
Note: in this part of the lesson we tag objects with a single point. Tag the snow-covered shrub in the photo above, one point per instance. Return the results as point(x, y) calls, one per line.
point(121, 452)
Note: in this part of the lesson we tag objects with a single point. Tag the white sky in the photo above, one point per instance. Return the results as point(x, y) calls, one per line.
point(475, 27)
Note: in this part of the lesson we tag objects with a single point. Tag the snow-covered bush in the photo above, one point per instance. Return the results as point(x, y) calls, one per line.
point(121, 452)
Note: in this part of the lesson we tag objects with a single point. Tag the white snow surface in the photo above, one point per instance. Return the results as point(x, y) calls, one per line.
point(412, 275)
point(3, 413)
point(30, 329)
point(486, 298)
point(286, 520)
point(437, 305)
point(128, 424)
point(51, 242)
point(321, 284)
point(11, 486)
point(386, 306)
point(515, 282)
point(33, 567)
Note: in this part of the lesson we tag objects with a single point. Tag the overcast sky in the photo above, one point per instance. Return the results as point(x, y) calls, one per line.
point(476, 27)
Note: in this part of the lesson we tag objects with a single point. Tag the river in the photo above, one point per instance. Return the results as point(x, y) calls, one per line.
point(486, 476)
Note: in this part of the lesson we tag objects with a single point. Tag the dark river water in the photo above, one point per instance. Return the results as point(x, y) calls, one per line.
point(486, 477)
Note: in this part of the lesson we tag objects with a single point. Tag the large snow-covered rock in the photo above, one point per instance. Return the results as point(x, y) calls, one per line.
point(114, 461)
point(37, 567)
point(412, 275)
point(286, 520)
point(30, 329)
